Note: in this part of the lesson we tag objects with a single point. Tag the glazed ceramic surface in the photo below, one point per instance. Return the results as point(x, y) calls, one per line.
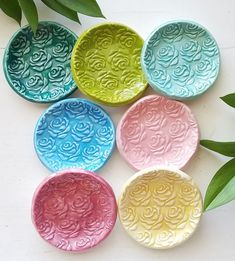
point(38, 67)
point(157, 131)
point(106, 64)
point(181, 60)
point(160, 207)
point(74, 133)
point(74, 210)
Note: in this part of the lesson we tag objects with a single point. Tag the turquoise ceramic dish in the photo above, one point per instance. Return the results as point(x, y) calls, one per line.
point(74, 133)
point(180, 60)
point(37, 67)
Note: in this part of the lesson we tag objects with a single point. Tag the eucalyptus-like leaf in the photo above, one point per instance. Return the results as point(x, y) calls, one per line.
point(221, 189)
point(30, 11)
point(229, 99)
point(224, 148)
point(87, 7)
point(61, 9)
point(11, 8)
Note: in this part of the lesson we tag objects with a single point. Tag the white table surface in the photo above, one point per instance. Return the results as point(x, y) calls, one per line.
point(21, 171)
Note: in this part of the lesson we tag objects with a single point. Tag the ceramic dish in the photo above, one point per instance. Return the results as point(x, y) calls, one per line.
point(38, 67)
point(181, 60)
point(157, 131)
point(74, 210)
point(74, 133)
point(160, 207)
point(106, 64)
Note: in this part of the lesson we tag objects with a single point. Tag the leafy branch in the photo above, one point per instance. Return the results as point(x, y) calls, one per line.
point(67, 8)
point(221, 189)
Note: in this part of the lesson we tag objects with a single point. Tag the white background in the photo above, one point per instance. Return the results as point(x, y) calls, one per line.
point(21, 170)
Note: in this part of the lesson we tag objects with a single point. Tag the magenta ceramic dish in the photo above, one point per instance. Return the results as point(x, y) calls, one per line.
point(74, 210)
point(157, 131)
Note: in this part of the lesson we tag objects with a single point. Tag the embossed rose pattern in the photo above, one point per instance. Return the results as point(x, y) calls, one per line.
point(181, 59)
point(107, 64)
point(40, 64)
point(157, 130)
point(74, 211)
point(160, 208)
point(74, 133)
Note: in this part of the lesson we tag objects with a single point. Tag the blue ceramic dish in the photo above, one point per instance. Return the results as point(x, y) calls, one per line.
point(37, 67)
point(180, 60)
point(74, 133)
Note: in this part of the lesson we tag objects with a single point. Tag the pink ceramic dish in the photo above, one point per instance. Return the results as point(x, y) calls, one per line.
point(74, 210)
point(157, 131)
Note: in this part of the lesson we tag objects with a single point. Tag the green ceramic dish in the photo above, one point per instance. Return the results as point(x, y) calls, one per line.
point(37, 67)
point(106, 64)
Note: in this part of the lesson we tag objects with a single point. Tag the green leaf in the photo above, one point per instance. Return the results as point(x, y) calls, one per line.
point(229, 99)
point(61, 9)
point(224, 148)
point(221, 189)
point(87, 7)
point(30, 11)
point(11, 8)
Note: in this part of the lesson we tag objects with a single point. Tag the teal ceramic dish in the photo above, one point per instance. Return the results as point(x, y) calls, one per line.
point(37, 67)
point(180, 60)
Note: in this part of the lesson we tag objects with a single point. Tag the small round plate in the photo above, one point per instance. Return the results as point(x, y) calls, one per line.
point(157, 131)
point(160, 207)
point(180, 60)
point(106, 64)
point(74, 133)
point(74, 210)
point(37, 67)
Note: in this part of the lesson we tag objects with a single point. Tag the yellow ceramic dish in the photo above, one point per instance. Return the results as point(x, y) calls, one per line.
point(160, 207)
point(106, 64)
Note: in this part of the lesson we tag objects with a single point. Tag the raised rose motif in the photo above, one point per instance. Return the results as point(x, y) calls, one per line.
point(209, 47)
point(36, 83)
point(68, 228)
point(46, 145)
point(55, 207)
point(162, 78)
point(18, 68)
point(61, 51)
point(83, 132)
point(176, 217)
point(59, 127)
point(183, 75)
point(80, 205)
point(69, 151)
point(188, 194)
point(57, 74)
point(96, 115)
point(42, 37)
point(178, 130)
point(167, 56)
point(40, 60)
point(140, 195)
point(46, 229)
point(172, 32)
point(76, 110)
point(126, 38)
point(193, 31)
point(151, 218)
point(191, 51)
point(91, 153)
point(163, 193)
point(118, 60)
point(205, 69)
point(108, 80)
point(104, 135)
point(20, 46)
point(103, 38)
point(159, 144)
point(95, 60)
